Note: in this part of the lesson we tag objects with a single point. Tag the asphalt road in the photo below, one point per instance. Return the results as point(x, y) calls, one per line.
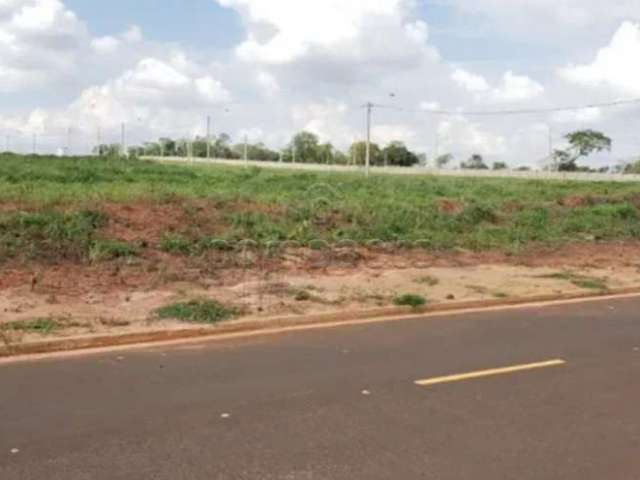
point(342, 403)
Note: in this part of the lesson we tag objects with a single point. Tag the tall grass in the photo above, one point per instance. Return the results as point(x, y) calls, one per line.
point(493, 213)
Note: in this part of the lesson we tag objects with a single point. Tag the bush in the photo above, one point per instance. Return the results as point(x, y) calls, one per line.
point(105, 250)
point(410, 300)
point(197, 311)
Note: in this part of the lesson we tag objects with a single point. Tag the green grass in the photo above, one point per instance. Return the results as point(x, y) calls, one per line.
point(410, 300)
point(59, 207)
point(48, 233)
point(44, 326)
point(105, 250)
point(197, 311)
point(580, 281)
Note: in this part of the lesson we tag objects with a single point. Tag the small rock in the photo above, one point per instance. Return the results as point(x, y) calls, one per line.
point(366, 393)
point(14, 451)
point(225, 416)
point(451, 297)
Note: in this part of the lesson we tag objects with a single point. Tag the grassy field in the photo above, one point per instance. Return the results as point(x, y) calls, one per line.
point(53, 206)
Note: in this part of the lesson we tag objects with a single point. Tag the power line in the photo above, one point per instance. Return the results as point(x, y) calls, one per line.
point(509, 112)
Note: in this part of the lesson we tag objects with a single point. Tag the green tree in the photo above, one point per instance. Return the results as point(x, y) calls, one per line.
point(444, 160)
point(633, 168)
point(306, 146)
point(476, 162)
point(257, 151)
point(108, 150)
point(167, 147)
point(222, 147)
point(358, 151)
point(499, 166)
point(199, 147)
point(582, 143)
point(397, 154)
point(152, 148)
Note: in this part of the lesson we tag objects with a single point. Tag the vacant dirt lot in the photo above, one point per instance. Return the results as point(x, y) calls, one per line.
point(88, 246)
point(122, 296)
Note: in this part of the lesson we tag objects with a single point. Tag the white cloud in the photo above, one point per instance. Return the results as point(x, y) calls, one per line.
point(39, 40)
point(585, 115)
point(133, 34)
point(333, 41)
point(513, 88)
point(517, 88)
point(328, 120)
point(268, 83)
point(281, 31)
point(155, 92)
point(462, 137)
point(429, 106)
point(105, 45)
point(547, 20)
point(110, 44)
point(387, 133)
point(469, 81)
point(616, 66)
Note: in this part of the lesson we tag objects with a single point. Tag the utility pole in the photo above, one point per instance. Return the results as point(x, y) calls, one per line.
point(69, 141)
point(123, 139)
point(246, 152)
point(7, 143)
point(99, 141)
point(208, 137)
point(368, 153)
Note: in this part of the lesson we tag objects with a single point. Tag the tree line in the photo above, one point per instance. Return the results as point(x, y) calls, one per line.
point(306, 147)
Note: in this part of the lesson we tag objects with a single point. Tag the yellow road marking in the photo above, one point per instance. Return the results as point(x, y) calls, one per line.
point(490, 373)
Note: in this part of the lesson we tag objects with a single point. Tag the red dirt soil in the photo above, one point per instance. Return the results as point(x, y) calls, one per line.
point(144, 223)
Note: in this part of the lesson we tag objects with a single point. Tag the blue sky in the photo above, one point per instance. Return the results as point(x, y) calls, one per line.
point(204, 24)
point(278, 66)
point(197, 23)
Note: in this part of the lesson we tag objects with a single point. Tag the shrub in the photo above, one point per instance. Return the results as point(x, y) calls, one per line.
point(410, 300)
point(197, 311)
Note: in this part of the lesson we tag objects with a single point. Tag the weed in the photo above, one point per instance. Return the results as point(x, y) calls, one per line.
point(302, 296)
point(48, 234)
point(176, 244)
point(197, 311)
point(478, 289)
point(104, 250)
point(428, 280)
point(410, 300)
point(500, 295)
point(580, 281)
point(44, 326)
point(383, 208)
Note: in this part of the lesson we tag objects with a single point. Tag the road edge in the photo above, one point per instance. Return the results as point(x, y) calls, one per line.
point(276, 325)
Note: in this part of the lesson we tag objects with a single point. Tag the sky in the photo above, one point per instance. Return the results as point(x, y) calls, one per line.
point(72, 72)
